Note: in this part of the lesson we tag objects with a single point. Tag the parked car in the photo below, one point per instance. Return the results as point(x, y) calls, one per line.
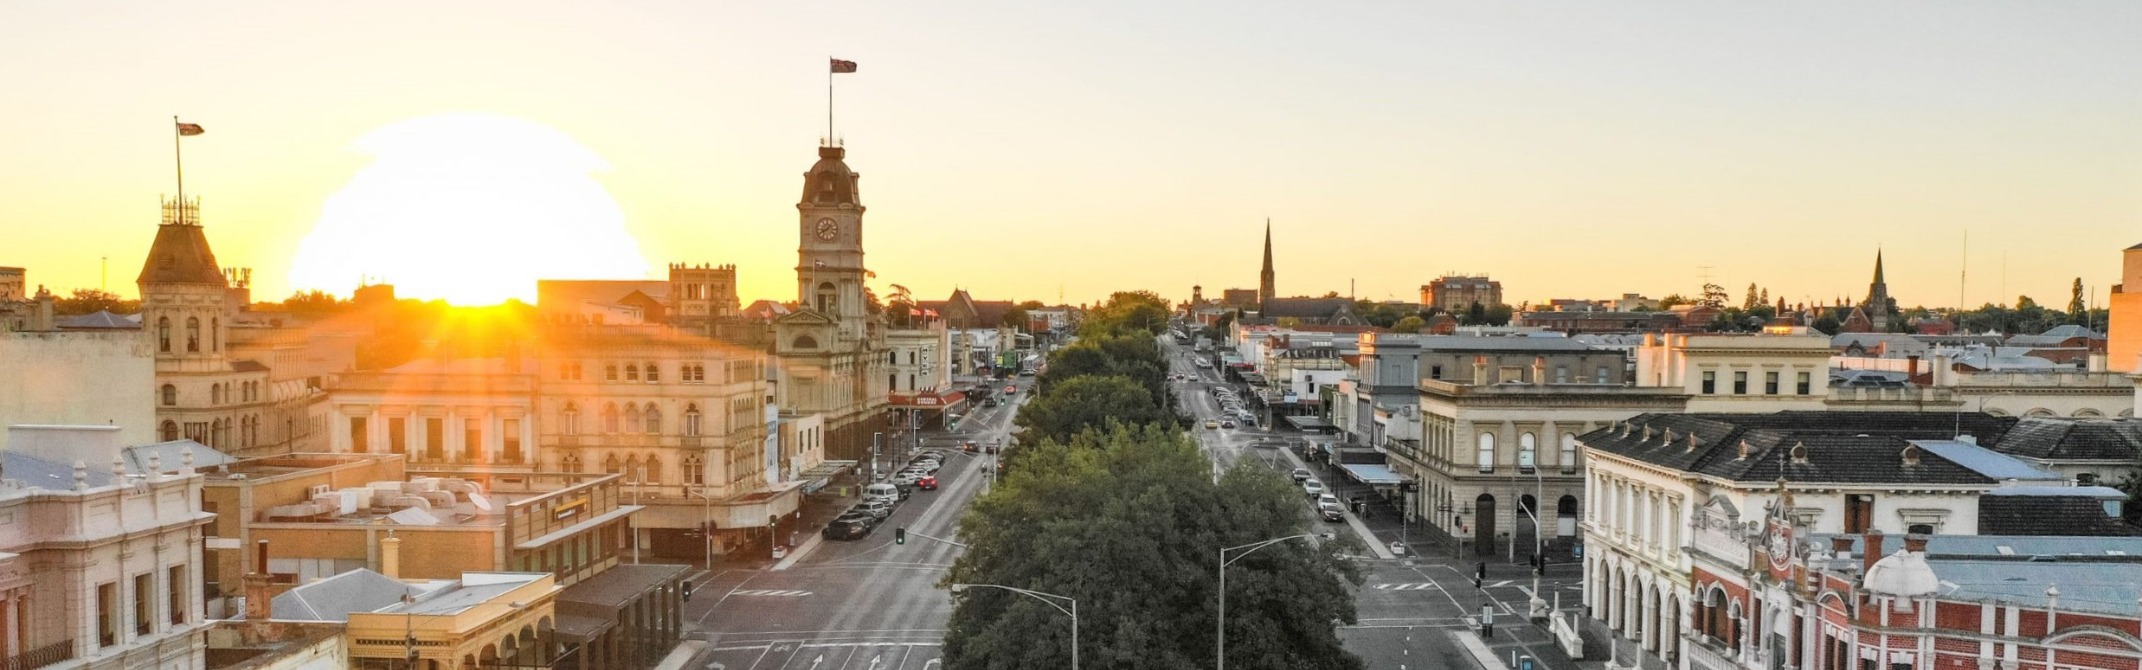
point(1211, 424)
point(854, 515)
point(1312, 487)
point(876, 508)
point(886, 493)
point(1301, 475)
point(1331, 511)
point(1230, 423)
point(927, 483)
point(847, 530)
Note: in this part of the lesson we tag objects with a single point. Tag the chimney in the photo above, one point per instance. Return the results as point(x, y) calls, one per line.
point(1873, 541)
point(1915, 543)
point(258, 600)
point(2098, 362)
point(1480, 377)
point(1841, 546)
point(390, 557)
point(1913, 374)
point(1539, 370)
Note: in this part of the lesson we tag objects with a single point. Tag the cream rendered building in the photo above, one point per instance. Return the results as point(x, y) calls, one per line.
point(1739, 373)
point(831, 351)
point(98, 569)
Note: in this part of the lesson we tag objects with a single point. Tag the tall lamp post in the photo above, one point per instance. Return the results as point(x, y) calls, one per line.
point(1220, 622)
point(1052, 599)
point(1539, 542)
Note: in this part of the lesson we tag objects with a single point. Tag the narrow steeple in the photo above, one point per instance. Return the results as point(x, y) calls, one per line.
point(1878, 266)
point(1265, 278)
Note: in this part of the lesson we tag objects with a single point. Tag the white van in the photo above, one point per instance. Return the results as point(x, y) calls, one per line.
point(887, 493)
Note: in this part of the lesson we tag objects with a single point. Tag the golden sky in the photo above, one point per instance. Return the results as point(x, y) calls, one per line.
point(1574, 149)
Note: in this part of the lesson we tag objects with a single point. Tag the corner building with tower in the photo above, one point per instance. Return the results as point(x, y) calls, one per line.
point(831, 348)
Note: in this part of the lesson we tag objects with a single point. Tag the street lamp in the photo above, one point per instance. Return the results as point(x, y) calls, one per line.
point(1050, 598)
point(1220, 622)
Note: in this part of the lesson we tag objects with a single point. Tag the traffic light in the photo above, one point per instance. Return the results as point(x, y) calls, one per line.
point(1539, 564)
point(1479, 575)
point(899, 536)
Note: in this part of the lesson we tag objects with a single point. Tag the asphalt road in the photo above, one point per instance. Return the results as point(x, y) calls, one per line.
point(866, 604)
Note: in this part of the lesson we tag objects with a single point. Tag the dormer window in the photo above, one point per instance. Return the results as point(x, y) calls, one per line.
point(825, 186)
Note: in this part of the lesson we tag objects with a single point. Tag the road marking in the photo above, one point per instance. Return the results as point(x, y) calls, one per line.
point(1420, 586)
point(772, 592)
point(1500, 584)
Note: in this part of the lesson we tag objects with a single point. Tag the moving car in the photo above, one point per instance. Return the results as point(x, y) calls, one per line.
point(1211, 424)
point(927, 483)
point(1301, 475)
point(1312, 487)
point(1230, 423)
point(1331, 510)
point(846, 530)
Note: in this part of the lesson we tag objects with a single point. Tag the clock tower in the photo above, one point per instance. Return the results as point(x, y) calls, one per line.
point(829, 269)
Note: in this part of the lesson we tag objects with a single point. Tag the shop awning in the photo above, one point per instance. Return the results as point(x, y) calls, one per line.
point(1373, 475)
point(927, 400)
point(1308, 422)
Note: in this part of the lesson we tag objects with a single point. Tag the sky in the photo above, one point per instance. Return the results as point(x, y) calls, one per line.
point(1036, 150)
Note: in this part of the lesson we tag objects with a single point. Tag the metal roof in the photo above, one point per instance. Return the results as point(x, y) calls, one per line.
point(1994, 465)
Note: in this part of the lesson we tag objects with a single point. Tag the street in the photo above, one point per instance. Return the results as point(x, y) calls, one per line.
point(1408, 606)
point(866, 604)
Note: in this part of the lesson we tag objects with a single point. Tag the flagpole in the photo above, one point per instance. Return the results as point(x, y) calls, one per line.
point(178, 157)
point(829, 102)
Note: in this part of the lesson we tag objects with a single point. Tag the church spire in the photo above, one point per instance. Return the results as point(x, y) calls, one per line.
point(1265, 283)
point(1878, 266)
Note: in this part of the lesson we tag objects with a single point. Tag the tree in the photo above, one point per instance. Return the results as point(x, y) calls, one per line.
point(1410, 324)
point(1714, 295)
point(1674, 300)
point(2078, 313)
point(1375, 313)
point(1753, 298)
point(90, 301)
point(1087, 402)
point(1475, 314)
point(1129, 522)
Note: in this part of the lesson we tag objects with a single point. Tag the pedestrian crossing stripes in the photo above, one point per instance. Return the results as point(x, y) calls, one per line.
point(1421, 586)
point(771, 593)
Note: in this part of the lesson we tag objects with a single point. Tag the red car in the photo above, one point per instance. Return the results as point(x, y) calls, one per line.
point(1011, 390)
point(927, 483)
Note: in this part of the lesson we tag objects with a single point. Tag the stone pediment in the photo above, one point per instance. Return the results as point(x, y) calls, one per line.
point(805, 318)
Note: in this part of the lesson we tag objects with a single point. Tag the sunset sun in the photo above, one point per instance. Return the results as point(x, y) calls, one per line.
point(470, 208)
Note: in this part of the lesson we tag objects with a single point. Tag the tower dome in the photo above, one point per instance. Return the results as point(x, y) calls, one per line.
point(1904, 574)
point(830, 182)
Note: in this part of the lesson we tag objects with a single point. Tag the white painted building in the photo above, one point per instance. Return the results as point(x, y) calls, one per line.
point(79, 378)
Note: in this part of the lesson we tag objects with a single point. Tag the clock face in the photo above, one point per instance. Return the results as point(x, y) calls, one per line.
point(828, 229)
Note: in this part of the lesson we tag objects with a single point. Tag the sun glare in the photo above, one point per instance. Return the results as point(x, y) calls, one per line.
point(470, 208)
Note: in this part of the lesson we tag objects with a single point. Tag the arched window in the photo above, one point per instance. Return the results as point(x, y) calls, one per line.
point(215, 394)
point(632, 418)
point(653, 420)
point(1486, 453)
point(654, 373)
point(609, 372)
point(806, 342)
point(1569, 453)
point(826, 300)
point(193, 335)
point(215, 334)
point(571, 421)
point(1528, 452)
point(163, 334)
point(169, 431)
point(632, 372)
point(691, 420)
point(654, 470)
point(570, 463)
point(695, 471)
point(609, 464)
point(170, 395)
point(609, 417)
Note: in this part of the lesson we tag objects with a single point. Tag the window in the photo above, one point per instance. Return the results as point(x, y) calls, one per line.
point(892, 382)
point(911, 383)
point(1770, 383)
point(653, 420)
point(169, 431)
point(1569, 453)
point(510, 437)
point(107, 614)
point(1485, 456)
point(193, 335)
point(435, 439)
point(1740, 382)
point(695, 472)
point(609, 372)
point(654, 374)
point(163, 334)
point(170, 394)
point(360, 434)
point(2085, 479)
point(571, 419)
point(215, 342)
point(892, 358)
point(1561, 374)
point(609, 464)
point(471, 440)
point(632, 418)
point(691, 420)
point(397, 435)
point(826, 302)
point(570, 463)
point(144, 603)
point(1435, 372)
point(632, 372)
point(1710, 382)
point(1600, 375)
point(1803, 383)
point(609, 418)
point(1859, 513)
point(215, 395)
point(911, 357)
point(653, 470)
point(1527, 452)
point(175, 583)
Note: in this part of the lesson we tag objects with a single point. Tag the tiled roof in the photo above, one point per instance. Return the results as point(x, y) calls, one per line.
point(2049, 515)
point(99, 320)
point(1312, 308)
point(1835, 447)
point(2077, 439)
point(180, 255)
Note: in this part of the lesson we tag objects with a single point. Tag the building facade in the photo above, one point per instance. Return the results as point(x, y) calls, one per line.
point(831, 351)
point(1457, 293)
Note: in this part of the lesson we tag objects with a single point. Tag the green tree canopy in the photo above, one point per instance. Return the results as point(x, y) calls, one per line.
point(1409, 324)
point(90, 301)
point(1088, 402)
point(1130, 522)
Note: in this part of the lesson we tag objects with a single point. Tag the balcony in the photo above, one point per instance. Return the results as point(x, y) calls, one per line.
point(40, 657)
point(1705, 654)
